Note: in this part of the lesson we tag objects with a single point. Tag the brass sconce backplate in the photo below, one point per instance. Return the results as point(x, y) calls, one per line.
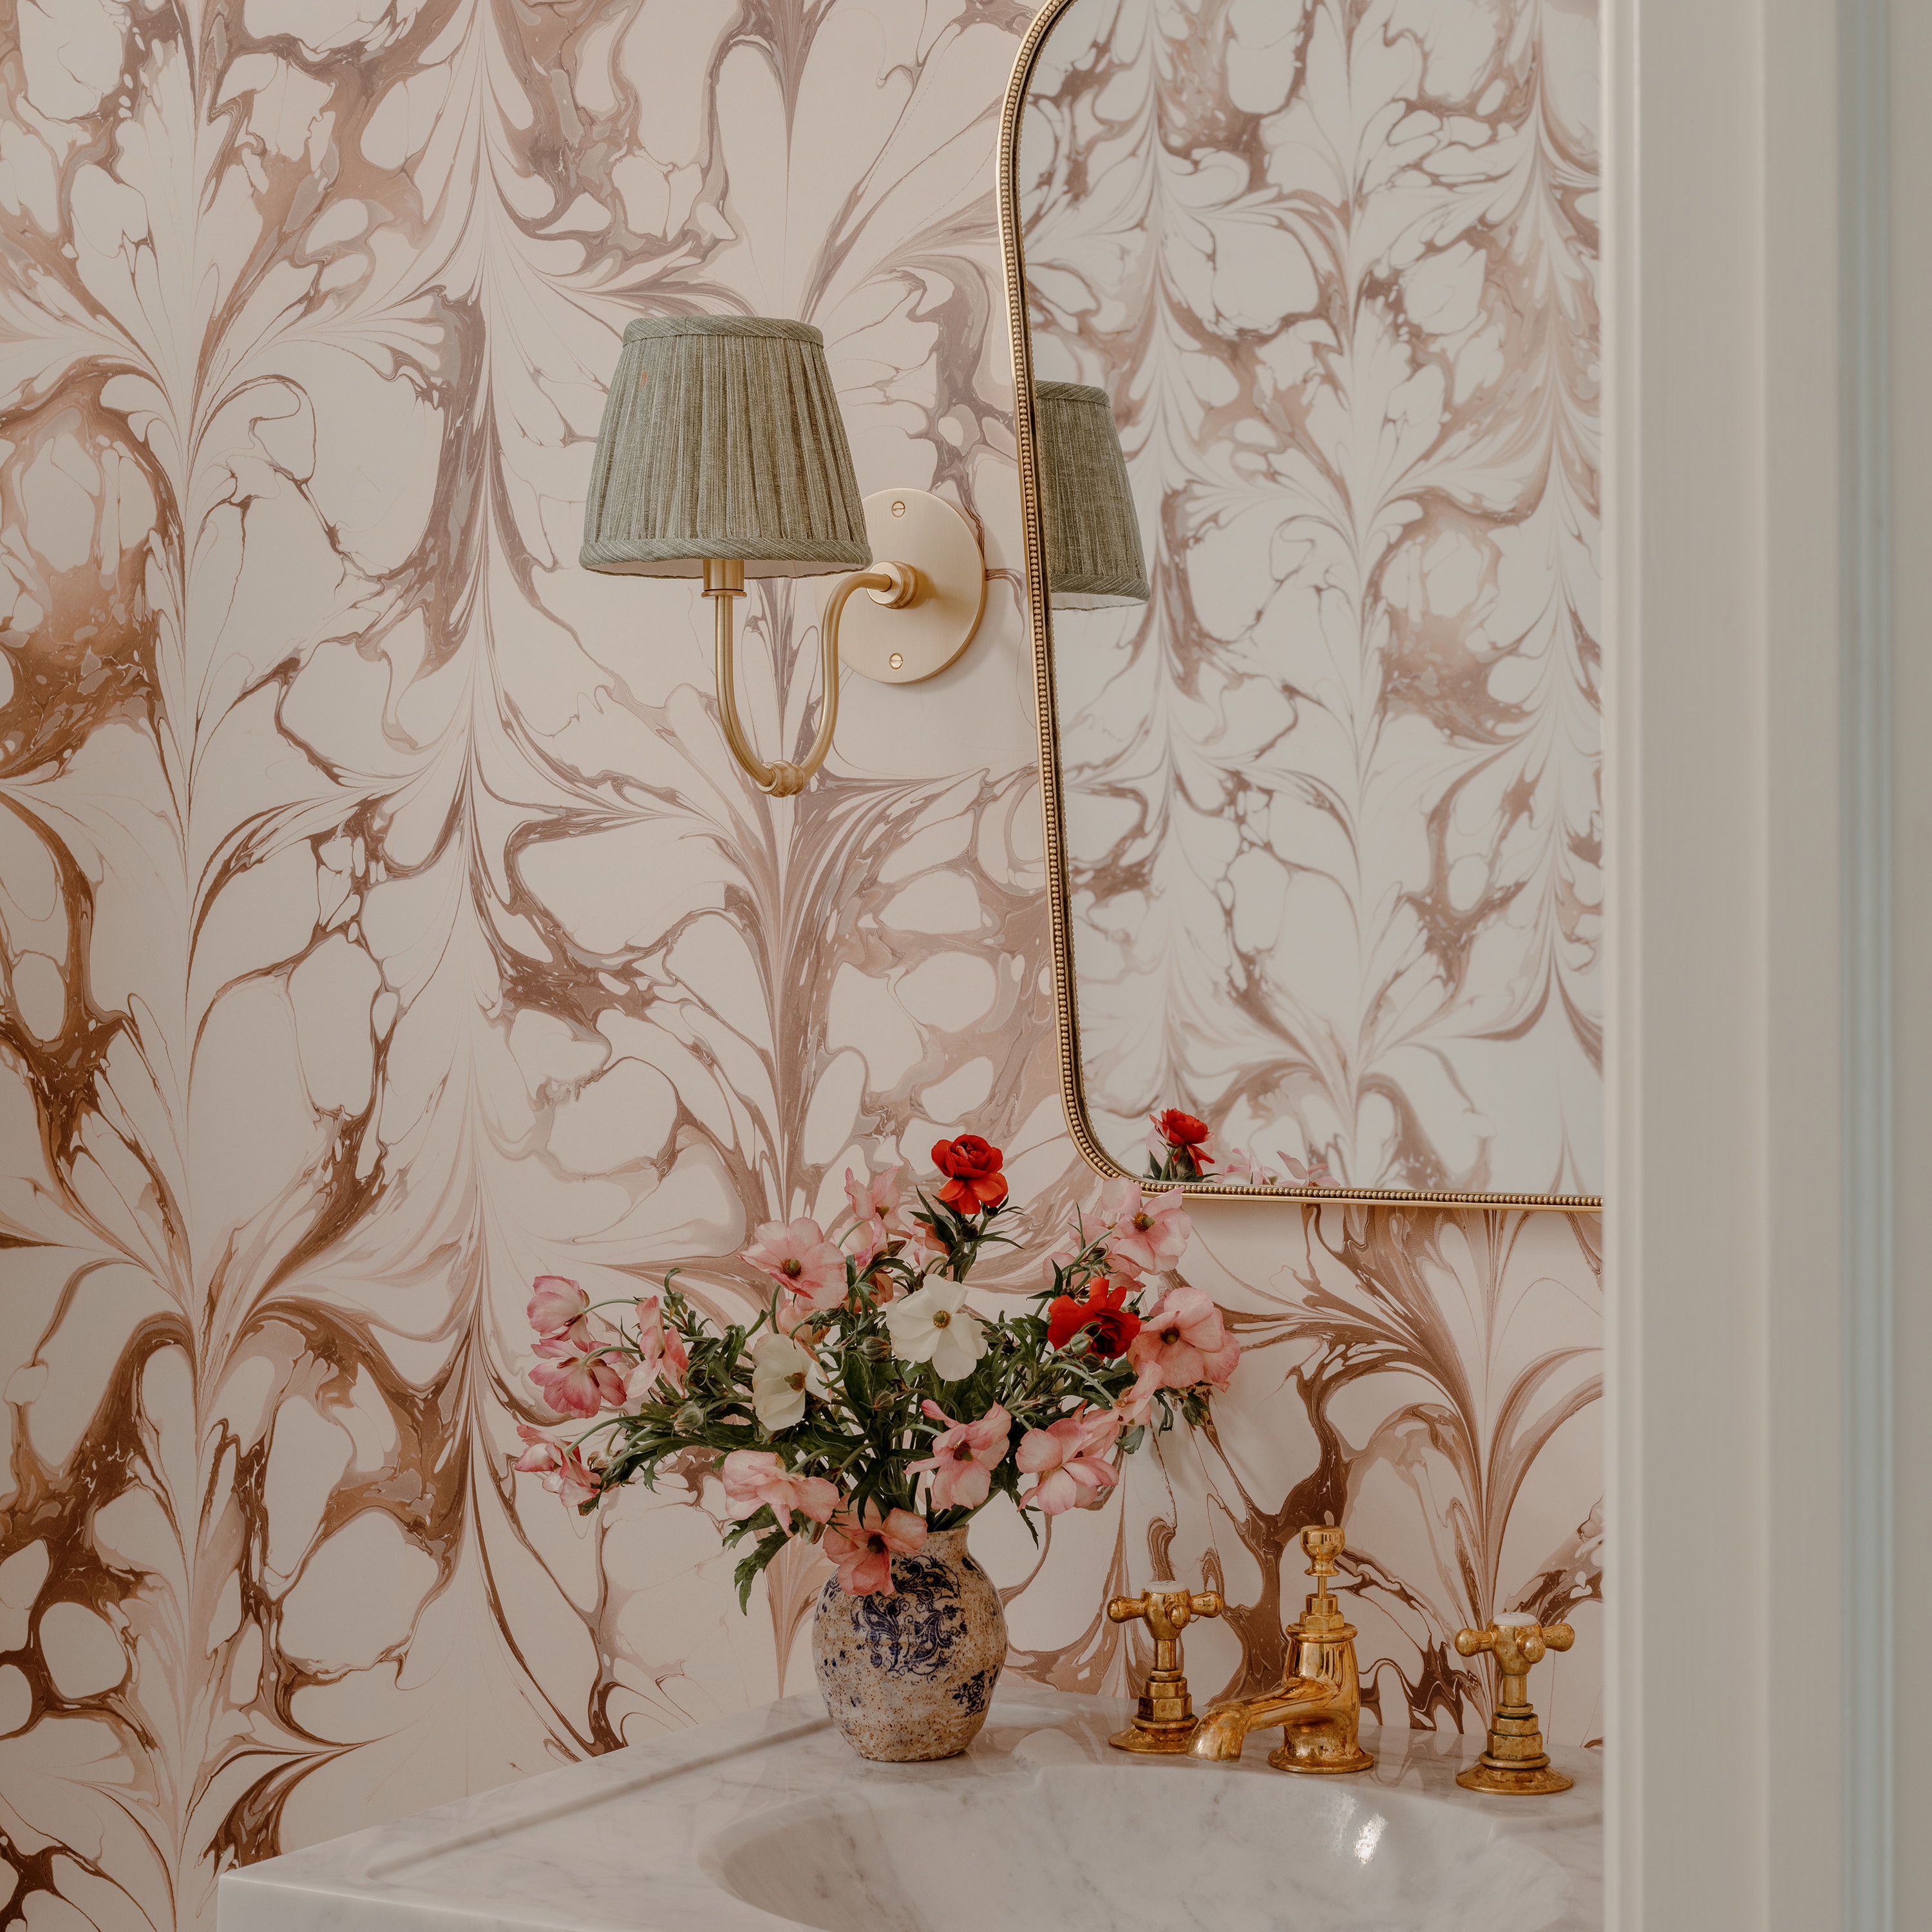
point(919, 639)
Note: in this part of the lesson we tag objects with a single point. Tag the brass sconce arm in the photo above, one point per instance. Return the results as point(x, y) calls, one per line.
point(892, 585)
point(723, 433)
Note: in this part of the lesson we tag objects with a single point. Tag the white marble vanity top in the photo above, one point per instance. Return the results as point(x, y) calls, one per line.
point(766, 1819)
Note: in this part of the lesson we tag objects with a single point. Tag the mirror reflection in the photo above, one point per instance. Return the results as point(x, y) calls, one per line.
point(1332, 816)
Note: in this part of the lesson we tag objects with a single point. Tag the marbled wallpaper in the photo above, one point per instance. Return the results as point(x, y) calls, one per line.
point(381, 922)
point(1332, 796)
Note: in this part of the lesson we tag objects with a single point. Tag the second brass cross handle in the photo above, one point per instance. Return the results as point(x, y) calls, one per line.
point(1515, 1764)
point(1166, 1612)
point(1517, 1647)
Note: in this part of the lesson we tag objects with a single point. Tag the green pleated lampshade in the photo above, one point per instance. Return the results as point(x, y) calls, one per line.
point(722, 438)
point(1094, 559)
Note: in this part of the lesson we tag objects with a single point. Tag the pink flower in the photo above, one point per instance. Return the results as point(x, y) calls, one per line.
point(1184, 1338)
point(579, 1384)
point(755, 1478)
point(1069, 1476)
point(661, 1353)
point(923, 1244)
point(1243, 1168)
point(800, 1318)
point(798, 1257)
point(1133, 1407)
point(870, 1241)
point(1101, 1430)
point(864, 1547)
point(1315, 1175)
point(555, 1303)
point(963, 1458)
point(1223, 1364)
point(561, 1465)
point(875, 1205)
point(543, 1454)
point(1144, 1234)
point(576, 1339)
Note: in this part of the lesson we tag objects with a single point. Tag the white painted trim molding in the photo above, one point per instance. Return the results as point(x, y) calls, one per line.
point(1732, 707)
point(1867, 1164)
point(1907, 61)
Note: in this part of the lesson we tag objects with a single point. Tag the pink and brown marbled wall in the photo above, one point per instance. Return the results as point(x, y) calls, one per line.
point(383, 923)
point(1332, 796)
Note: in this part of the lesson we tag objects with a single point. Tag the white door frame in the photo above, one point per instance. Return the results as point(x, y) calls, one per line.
point(1747, 1212)
point(1904, 293)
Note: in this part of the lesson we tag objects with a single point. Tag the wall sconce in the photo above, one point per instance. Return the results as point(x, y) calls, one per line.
point(723, 455)
point(1093, 557)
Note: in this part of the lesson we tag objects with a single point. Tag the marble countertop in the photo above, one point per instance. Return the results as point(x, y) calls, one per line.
point(770, 1805)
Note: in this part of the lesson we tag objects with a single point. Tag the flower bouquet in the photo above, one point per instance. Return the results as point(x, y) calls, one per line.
point(868, 1408)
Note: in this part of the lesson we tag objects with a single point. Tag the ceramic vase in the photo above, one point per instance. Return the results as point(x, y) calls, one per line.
point(910, 1676)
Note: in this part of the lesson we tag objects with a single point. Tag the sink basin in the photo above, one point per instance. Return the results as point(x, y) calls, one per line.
point(766, 1820)
point(1099, 1846)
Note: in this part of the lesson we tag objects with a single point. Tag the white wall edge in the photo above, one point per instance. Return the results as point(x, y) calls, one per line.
point(1869, 1165)
point(1907, 60)
point(1726, 1066)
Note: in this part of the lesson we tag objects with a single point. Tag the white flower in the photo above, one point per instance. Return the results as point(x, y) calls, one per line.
point(782, 1372)
point(935, 1325)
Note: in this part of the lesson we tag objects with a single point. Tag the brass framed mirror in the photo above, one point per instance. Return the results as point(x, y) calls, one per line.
point(1322, 801)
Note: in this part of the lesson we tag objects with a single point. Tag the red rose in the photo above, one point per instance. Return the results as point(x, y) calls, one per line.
point(1183, 1130)
point(972, 1170)
point(1104, 1312)
point(1187, 1152)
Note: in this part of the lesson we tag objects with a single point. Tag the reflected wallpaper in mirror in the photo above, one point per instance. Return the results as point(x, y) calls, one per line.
point(1332, 801)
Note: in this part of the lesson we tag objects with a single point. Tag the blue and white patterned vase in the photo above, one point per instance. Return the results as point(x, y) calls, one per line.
point(910, 1676)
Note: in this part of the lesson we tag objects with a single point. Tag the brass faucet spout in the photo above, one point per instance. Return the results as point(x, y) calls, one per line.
point(1319, 1704)
point(1221, 1733)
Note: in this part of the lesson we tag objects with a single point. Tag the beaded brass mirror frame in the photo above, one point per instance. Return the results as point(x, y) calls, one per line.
point(1073, 1081)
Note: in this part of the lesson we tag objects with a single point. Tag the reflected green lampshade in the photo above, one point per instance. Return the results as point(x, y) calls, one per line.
point(722, 438)
point(1094, 559)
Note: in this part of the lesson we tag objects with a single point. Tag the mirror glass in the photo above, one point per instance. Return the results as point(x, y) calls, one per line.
point(1329, 863)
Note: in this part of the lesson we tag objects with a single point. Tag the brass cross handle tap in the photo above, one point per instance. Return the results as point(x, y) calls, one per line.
point(1515, 1762)
point(1164, 1720)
